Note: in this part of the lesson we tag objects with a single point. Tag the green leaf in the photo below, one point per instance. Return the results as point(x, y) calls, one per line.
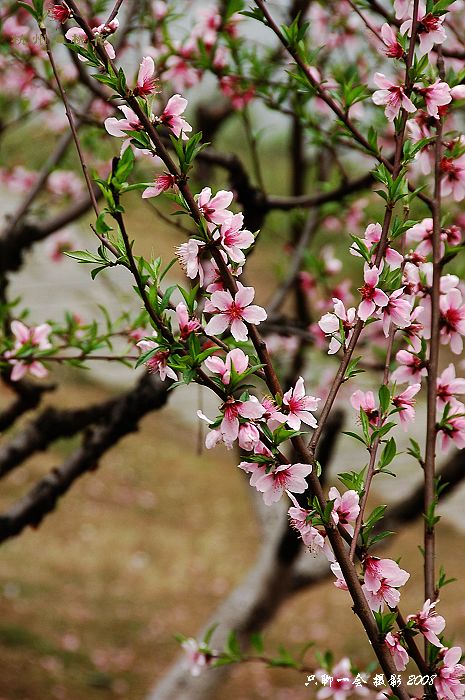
point(232, 647)
point(385, 621)
point(354, 435)
point(122, 168)
point(388, 454)
point(209, 633)
point(365, 426)
point(256, 641)
point(353, 480)
point(374, 516)
point(284, 659)
point(352, 369)
point(414, 451)
point(379, 537)
point(384, 396)
point(97, 270)
point(83, 256)
point(101, 226)
point(441, 7)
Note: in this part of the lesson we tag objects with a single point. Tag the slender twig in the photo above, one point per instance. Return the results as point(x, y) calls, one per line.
point(433, 361)
point(71, 120)
point(114, 11)
point(373, 451)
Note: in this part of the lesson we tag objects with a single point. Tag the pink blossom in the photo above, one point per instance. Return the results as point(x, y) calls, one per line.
point(231, 313)
point(391, 95)
point(287, 477)
point(430, 29)
point(419, 129)
point(272, 416)
point(146, 80)
point(397, 651)
point(366, 402)
point(436, 95)
point(453, 177)
point(65, 183)
point(159, 9)
point(396, 311)
point(371, 295)
point(162, 183)
point(189, 258)
point(406, 404)
point(158, 362)
point(186, 325)
point(13, 29)
point(196, 658)
point(298, 406)
point(37, 336)
point(332, 265)
point(372, 236)
point(119, 127)
point(330, 324)
point(214, 209)
point(234, 239)
point(207, 28)
point(249, 437)
point(381, 581)
point(452, 235)
point(236, 359)
point(232, 410)
point(394, 49)
point(448, 683)
point(340, 581)
point(452, 429)
point(414, 330)
point(59, 244)
point(137, 334)
point(401, 8)
point(240, 95)
point(458, 92)
point(411, 368)
point(19, 179)
point(411, 280)
point(180, 73)
point(423, 232)
point(78, 35)
point(429, 623)
point(171, 116)
point(452, 320)
point(342, 685)
point(300, 521)
point(448, 386)
point(34, 336)
point(280, 344)
point(345, 508)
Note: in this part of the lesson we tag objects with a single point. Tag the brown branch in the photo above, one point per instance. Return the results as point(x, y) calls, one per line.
point(149, 394)
point(50, 425)
point(28, 397)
